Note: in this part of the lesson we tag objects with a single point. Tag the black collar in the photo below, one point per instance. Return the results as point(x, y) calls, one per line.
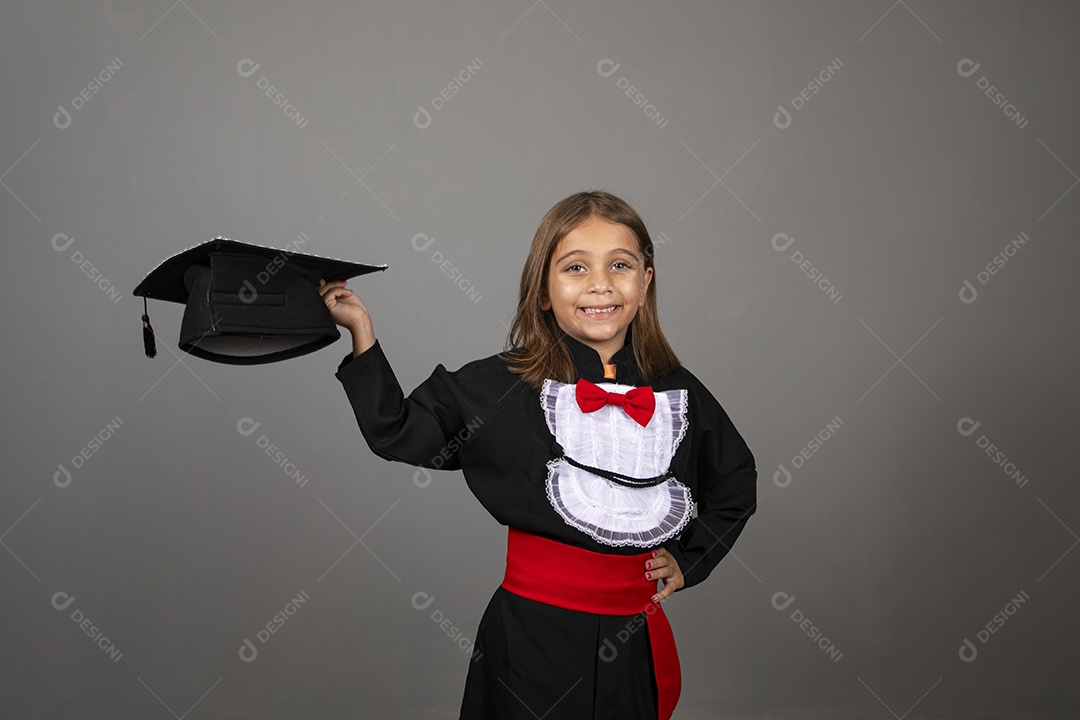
point(588, 364)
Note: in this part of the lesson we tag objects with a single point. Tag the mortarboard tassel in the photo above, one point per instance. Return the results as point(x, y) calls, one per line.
point(148, 334)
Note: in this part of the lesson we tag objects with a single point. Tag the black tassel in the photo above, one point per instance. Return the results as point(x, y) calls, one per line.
point(148, 334)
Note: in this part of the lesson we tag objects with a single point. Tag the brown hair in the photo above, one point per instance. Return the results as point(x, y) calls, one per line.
point(535, 350)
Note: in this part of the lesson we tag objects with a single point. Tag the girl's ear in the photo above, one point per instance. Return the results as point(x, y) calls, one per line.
point(545, 302)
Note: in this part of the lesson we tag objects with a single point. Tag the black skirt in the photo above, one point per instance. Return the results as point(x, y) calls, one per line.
point(532, 660)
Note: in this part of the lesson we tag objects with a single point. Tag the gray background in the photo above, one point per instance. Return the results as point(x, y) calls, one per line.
point(179, 537)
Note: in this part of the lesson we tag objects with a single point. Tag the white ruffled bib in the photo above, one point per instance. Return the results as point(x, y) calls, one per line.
point(611, 440)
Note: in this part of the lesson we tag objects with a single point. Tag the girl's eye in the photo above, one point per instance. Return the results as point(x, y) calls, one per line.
point(576, 267)
point(622, 265)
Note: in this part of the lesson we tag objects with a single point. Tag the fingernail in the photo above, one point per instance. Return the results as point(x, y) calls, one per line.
point(655, 599)
point(654, 553)
point(648, 576)
point(648, 566)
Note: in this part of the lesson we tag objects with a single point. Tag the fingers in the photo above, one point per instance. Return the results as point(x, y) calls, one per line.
point(662, 559)
point(330, 292)
point(663, 566)
point(665, 593)
point(347, 310)
point(324, 287)
point(658, 567)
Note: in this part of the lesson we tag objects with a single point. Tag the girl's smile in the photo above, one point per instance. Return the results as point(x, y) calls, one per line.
point(596, 281)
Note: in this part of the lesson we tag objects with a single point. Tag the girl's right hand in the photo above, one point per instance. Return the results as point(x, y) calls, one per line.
point(345, 308)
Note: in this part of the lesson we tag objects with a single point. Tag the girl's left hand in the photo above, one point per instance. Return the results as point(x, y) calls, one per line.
point(662, 566)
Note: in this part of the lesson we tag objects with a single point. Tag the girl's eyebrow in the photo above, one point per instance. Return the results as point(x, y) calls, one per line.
point(616, 251)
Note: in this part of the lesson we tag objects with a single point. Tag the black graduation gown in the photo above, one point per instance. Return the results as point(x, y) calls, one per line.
point(532, 659)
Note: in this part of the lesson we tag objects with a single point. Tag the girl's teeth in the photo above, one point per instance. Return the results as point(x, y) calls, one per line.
point(592, 311)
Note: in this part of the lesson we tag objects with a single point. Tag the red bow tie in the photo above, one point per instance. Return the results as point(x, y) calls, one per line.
point(638, 403)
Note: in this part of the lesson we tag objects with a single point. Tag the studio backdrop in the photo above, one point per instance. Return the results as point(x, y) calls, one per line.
point(865, 223)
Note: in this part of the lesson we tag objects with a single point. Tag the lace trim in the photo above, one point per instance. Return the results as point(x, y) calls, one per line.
point(549, 394)
point(639, 517)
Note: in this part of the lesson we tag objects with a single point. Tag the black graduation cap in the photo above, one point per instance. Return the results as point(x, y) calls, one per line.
point(247, 304)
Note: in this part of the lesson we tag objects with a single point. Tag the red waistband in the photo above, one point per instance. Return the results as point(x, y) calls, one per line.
point(558, 574)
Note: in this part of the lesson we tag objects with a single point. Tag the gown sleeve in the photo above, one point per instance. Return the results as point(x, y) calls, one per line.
point(420, 429)
point(726, 477)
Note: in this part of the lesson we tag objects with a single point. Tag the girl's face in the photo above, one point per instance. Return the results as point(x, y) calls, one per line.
point(596, 282)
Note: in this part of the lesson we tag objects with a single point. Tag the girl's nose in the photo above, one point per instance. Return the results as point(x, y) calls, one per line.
point(599, 282)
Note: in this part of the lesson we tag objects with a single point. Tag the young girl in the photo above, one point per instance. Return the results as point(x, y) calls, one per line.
point(591, 442)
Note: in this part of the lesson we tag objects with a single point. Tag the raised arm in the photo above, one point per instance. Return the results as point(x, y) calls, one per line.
point(419, 429)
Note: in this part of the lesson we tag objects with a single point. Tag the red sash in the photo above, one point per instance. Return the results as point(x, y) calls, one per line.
point(603, 584)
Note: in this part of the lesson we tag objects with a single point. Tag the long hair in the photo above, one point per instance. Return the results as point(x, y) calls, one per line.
point(534, 347)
